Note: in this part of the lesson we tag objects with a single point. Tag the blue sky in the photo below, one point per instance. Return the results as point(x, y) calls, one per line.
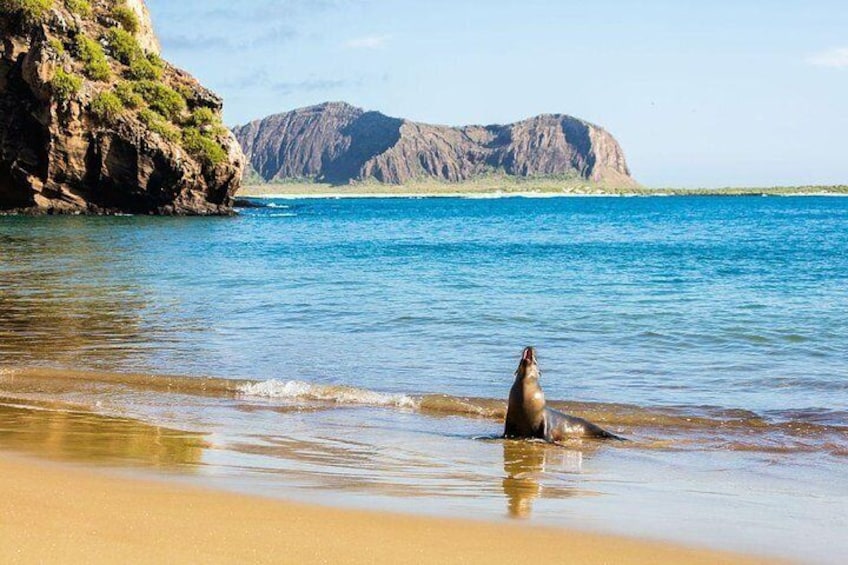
point(720, 93)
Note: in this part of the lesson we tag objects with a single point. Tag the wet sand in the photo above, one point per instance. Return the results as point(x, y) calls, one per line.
point(57, 513)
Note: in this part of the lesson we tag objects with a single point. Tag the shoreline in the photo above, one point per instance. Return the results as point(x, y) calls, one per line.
point(468, 195)
point(495, 195)
point(59, 512)
point(318, 191)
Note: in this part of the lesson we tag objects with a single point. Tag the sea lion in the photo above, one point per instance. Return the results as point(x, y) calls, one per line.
point(528, 417)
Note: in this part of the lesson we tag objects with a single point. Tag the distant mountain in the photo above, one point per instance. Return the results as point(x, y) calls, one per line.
point(338, 143)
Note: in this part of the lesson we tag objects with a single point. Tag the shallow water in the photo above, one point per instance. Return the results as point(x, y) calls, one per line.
point(363, 351)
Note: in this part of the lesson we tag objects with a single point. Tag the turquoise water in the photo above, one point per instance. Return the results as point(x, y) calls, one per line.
point(368, 346)
point(732, 302)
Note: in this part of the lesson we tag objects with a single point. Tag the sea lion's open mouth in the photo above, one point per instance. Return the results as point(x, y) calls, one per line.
point(529, 355)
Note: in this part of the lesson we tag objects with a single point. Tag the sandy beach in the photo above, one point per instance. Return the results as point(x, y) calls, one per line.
point(57, 513)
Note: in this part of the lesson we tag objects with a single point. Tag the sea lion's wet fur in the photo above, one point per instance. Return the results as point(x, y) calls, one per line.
point(527, 416)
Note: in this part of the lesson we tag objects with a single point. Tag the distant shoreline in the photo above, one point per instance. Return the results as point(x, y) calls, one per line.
point(519, 190)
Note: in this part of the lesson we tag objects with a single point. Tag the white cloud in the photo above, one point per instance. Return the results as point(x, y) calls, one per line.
point(833, 58)
point(368, 42)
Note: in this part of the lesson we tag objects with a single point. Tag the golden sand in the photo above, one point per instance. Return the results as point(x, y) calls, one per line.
point(55, 513)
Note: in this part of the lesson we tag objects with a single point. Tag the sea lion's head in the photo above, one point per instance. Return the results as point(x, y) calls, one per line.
point(527, 367)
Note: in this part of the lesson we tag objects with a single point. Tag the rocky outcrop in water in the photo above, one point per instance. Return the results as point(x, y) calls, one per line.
point(338, 144)
point(92, 120)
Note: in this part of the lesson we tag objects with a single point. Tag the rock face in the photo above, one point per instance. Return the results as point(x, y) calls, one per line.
point(338, 144)
point(145, 34)
point(93, 121)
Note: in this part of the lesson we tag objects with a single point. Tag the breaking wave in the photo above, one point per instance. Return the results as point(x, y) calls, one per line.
point(299, 390)
point(664, 427)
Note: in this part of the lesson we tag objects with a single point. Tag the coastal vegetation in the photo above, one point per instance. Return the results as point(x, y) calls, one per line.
point(502, 185)
point(131, 77)
point(65, 85)
point(203, 147)
point(107, 107)
point(94, 61)
point(57, 46)
point(79, 7)
point(159, 125)
point(127, 18)
point(163, 109)
point(161, 98)
point(129, 97)
point(29, 10)
point(99, 70)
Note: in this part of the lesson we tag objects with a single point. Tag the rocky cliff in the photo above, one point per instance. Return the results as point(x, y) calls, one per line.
point(92, 120)
point(338, 144)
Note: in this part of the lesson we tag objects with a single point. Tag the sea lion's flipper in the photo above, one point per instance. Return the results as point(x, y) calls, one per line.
point(601, 433)
point(559, 426)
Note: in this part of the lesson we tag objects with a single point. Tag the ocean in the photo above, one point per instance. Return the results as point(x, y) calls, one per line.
point(359, 352)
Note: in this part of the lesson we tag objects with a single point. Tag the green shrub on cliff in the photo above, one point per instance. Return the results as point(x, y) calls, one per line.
point(94, 60)
point(57, 46)
point(207, 121)
point(129, 97)
point(106, 107)
point(161, 98)
point(206, 150)
point(124, 45)
point(30, 10)
point(155, 60)
point(141, 69)
point(65, 85)
point(203, 117)
point(158, 124)
point(80, 7)
point(146, 68)
point(127, 18)
point(185, 91)
point(125, 48)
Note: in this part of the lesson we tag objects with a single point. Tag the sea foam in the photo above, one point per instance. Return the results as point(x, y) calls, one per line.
point(294, 390)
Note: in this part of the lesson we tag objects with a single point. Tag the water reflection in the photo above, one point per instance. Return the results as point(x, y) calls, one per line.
point(59, 302)
point(91, 438)
point(530, 467)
